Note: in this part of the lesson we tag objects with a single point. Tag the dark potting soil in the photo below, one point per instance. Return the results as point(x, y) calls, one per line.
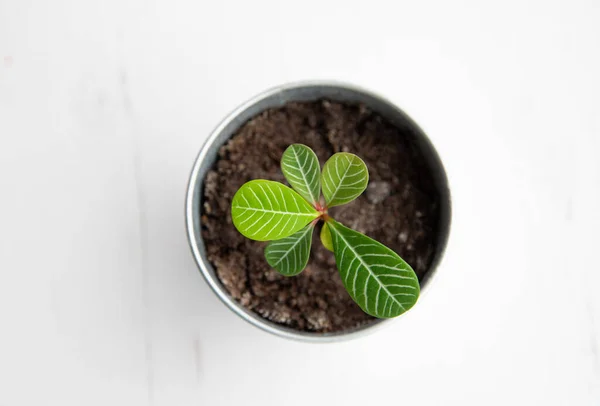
point(399, 208)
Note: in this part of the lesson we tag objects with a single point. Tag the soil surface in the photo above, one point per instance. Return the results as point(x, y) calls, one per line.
point(400, 209)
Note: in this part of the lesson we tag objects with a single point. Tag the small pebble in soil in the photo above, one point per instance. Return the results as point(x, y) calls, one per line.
point(318, 320)
point(377, 192)
point(403, 236)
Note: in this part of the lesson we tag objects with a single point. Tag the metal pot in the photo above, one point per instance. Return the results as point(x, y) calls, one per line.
point(277, 97)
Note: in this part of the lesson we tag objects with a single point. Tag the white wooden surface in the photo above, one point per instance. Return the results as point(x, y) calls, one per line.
point(104, 105)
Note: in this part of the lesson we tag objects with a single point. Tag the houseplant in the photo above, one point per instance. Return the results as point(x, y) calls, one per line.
point(376, 278)
point(412, 152)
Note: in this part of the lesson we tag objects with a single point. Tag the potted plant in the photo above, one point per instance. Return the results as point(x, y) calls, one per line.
point(406, 206)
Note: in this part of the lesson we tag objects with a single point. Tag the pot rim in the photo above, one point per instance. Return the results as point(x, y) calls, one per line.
point(193, 213)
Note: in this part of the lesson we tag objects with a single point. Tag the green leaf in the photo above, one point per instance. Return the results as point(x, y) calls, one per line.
point(378, 280)
point(290, 255)
point(301, 168)
point(264, 210)
point(344, 178)
point(326, 237)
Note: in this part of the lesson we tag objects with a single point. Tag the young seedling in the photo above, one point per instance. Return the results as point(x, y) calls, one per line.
point(378, 280)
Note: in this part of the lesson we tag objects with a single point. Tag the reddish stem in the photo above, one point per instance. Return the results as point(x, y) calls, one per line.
point(321, 208)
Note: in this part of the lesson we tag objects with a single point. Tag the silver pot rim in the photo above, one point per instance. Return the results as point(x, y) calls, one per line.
point(278, 96)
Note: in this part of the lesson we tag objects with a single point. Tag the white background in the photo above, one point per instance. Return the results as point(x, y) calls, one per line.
point(104, 105)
